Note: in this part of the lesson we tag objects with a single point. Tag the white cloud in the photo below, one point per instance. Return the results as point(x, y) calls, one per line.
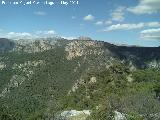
point(108, 22)
point(40, 13)
point(99, 23)
point(151, 34)
point(146, 7)
point(89, 18)
point(20, 35)
point(46, 32)
point(132, 26)
point(124, 27)
point(26, 35)
point(118, 14)
point(49, 33)
point(69, 38)
point(153, 24)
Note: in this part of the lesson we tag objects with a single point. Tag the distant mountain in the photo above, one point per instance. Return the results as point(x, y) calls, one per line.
point(59, 79)
point(6, 45)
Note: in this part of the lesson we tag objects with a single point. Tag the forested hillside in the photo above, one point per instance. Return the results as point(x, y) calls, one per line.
point(43, 79)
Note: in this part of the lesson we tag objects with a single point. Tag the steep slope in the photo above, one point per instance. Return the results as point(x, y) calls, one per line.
point(141, 57)
point(41, 78)
point(135, 94)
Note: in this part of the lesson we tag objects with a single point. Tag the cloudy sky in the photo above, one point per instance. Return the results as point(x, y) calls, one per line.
point(133, 22)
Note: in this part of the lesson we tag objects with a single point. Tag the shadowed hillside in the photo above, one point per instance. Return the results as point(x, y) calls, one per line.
point(6, 45)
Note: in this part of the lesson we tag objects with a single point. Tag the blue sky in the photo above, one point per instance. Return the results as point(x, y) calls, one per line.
point(133, 22)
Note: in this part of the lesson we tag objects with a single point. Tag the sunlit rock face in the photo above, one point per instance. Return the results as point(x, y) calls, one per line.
point(119, 116)
point(74, 115)
point(2, 65)
point(79, 48)
point(32, 46)
point(154, 64)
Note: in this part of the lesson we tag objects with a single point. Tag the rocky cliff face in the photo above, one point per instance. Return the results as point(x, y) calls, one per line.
point(32, 46)
point(134, 56)
point(80, 48)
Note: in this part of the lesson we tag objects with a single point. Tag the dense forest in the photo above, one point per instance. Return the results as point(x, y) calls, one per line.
point(39, 83)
